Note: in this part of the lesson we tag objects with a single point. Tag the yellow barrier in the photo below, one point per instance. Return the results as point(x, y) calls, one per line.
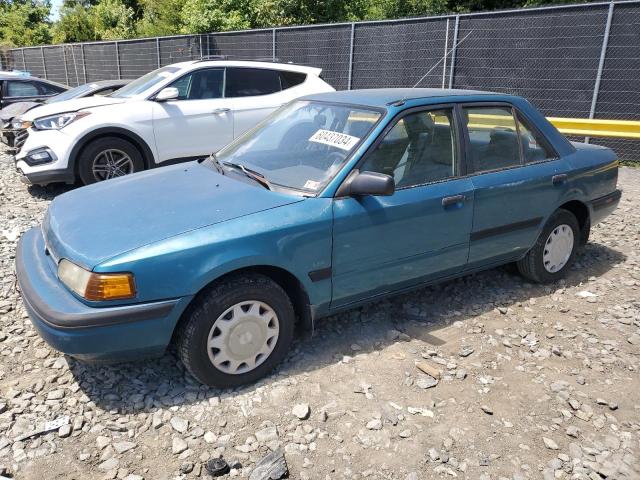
point(584, 127)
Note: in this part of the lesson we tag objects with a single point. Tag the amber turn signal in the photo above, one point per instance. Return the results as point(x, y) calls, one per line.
point(96, 286)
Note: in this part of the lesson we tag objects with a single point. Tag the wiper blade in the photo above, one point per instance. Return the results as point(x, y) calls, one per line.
point(258, 177)
point(216, 163)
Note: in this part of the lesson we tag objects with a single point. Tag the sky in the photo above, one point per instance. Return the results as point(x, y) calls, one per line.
point(55, 7)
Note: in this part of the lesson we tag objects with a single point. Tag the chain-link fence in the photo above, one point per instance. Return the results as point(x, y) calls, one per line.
point(570, 61)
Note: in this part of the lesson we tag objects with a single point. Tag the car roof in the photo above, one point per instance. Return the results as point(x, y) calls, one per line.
point(109, 83)
point(254, 64)
point(27, 76)
point(381, 97)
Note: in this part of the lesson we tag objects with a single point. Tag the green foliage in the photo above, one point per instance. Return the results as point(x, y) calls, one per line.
point(26, 22)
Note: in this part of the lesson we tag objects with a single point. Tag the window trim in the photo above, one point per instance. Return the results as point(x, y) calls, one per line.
point(515, 112)
point(536, 131)
point(460, 150)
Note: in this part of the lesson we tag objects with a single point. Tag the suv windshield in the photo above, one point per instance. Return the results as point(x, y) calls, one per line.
point(145, 82)
point(302, 145)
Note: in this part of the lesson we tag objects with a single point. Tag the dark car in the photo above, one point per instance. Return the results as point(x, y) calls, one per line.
point(21, 87)
point(11, 135)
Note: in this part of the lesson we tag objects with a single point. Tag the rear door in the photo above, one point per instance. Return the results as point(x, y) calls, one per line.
point(421, 232)
point(199, 122)
point(518, 180)
point(254, 93)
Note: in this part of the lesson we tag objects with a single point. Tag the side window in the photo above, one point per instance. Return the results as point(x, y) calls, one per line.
point(248, 82)
point(46, 89)
point(21, 89)
point(534, 145)
point(200, 85)
point(291, 79)
point(419, 149)
point(493, 138)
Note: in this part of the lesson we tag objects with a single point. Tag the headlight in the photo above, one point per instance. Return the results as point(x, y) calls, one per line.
point(96, 286)
point(56, 122)
point(18, 124)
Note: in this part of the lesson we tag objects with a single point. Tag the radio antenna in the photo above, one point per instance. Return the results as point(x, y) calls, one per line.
point(442, 59)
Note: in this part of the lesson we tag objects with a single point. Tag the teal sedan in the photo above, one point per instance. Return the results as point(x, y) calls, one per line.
point(335, 200)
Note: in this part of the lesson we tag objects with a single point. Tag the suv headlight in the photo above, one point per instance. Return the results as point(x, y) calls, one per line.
point(96, 286)
point(56, 122)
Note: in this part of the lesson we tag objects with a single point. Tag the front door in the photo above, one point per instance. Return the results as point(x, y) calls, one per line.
point(421, 232)
point(518, 179)
point(199, 122)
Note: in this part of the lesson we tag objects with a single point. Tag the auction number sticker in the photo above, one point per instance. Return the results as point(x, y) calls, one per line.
point(334, 139)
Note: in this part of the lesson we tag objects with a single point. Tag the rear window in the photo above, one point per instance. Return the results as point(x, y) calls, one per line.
point(291, 79)
point(21, 89)
point(249, 82)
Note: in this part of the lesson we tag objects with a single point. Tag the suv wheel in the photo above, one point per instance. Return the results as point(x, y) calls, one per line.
point(554, 251)
point(108, 157)
point(237, 331)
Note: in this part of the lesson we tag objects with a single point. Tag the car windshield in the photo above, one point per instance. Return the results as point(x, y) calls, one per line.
point(145, 82)
point(72, 93)
point(302, 145)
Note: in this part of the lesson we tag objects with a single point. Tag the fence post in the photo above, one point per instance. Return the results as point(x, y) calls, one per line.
point(64, 61)
point(201, 53)
point(446, 54)
point(84, 63)
point(350, 77)
point(273, 46)
point(118, 60)
point(24, 61)
point(158, 50)
point(44, 64)
point(603, 55)
point(454, 48)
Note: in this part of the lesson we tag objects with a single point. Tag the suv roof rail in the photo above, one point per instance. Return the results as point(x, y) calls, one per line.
point(208, 58)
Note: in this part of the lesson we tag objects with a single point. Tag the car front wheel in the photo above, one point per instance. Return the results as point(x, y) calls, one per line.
point(555, 250)
point(108, 157)
point(237, 331)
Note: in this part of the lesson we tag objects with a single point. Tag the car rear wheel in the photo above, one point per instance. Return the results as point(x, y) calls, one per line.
point(237, 331)
point(108, 157)
point(555, 250)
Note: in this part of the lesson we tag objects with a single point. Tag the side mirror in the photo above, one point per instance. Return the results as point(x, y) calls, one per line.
point(368, 183)
point(169, 93)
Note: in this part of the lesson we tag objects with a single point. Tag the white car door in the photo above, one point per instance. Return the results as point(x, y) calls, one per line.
point(255, 92)
point(199, 122)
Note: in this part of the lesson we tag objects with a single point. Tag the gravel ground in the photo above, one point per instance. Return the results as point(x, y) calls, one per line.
point(537, 382)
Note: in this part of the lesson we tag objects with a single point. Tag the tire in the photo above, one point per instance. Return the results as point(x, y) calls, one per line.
point(206, 316)
point(532, 266)
point(96, 152)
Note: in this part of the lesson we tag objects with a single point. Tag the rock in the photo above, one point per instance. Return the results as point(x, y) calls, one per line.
point(573, 431)
point(102, 442)
point(64, 431)
point(178, 445)
point(180, 425)
point(271, 467)
point(465, 351)
point(550, 444)
point(55, 394)
point(267, 434)
point(108, 465)
point(122, 447)
point(487, 410)
point(301, 410)
point(426, 381)
point(375, 424)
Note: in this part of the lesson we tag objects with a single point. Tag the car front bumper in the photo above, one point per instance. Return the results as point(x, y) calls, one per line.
point(59, 144)
point(89, 333)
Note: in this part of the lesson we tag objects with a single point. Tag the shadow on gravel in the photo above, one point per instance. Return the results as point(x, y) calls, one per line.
point(49, 192)
point(163, 382)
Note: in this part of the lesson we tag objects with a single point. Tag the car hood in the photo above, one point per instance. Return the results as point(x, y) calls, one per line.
point(92, 224)
point(9, 112)
point(72, 105)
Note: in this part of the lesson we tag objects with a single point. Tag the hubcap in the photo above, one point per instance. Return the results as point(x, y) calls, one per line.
point(111, 163)
point(558, 248)
point(243, 337)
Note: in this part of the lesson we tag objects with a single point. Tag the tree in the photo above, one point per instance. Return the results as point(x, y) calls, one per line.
point(160, 17)
point(25, 22)
point(202, 16)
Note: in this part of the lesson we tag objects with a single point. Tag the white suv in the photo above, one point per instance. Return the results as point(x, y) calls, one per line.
point(176, 113)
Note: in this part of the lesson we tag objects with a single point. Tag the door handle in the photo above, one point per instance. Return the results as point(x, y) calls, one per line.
point(446, 201)
point(559, 179)
point(220, 111)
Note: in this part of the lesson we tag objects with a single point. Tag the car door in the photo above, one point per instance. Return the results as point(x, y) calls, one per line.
point(518, 180)
point(198, 122)
point(255, 93)
point(421, 232)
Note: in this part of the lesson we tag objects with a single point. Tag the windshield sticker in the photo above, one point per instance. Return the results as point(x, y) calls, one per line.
point(334, 139)
point(311, 185)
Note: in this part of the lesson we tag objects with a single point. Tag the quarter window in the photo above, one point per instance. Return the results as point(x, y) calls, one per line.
point(291, 79)
point(21, 89)
point(47, 89)
point(248, 82)
point(419, 149)
point(534, 146)
point(493, 138)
